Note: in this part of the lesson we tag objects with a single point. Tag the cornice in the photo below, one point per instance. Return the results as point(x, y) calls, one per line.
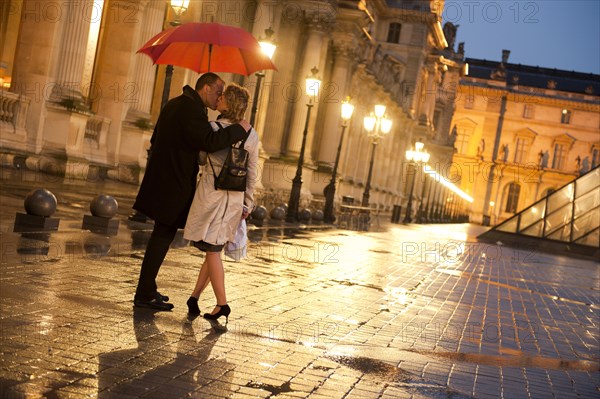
point(521, 96)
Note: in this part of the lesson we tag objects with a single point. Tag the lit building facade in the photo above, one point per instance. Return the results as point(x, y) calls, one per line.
point(78, 101)
point(522, 132)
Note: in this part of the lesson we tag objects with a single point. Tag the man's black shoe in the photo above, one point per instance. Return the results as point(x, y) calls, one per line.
point(154, 303)
point(162, 297)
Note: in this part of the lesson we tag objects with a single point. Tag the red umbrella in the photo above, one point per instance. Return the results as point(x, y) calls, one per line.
point(208, 47)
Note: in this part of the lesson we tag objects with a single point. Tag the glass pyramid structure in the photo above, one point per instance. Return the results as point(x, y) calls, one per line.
point(567, 220)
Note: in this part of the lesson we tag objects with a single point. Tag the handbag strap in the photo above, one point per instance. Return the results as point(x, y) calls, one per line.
point(232, 146)
point(241, 142)
point(211, 165)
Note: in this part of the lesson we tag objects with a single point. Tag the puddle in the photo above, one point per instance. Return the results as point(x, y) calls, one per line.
point(274, 389)
point(520, 360)
point(367, 365)
point(359, 284)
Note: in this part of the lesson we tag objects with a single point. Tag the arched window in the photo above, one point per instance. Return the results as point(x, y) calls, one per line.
point(512, 199)
point(394, 33)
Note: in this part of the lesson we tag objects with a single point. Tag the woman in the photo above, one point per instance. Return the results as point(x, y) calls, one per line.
point(215, 214)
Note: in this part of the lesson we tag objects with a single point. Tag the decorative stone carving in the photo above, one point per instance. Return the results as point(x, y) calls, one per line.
point(500, 72)
point(452, 137)
point(481, 149)
point(450, 34)
point(503, 155)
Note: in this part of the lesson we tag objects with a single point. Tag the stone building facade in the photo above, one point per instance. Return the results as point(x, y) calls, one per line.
point(521, 133)
point(78, 101)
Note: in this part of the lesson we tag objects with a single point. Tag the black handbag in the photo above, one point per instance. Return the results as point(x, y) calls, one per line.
point(234, 173)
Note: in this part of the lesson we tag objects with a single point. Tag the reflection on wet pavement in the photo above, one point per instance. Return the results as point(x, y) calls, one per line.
point(413, 320)
point(459, 273)
point(521, 360)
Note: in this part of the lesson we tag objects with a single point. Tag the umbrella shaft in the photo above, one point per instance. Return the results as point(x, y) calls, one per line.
point(166, 86)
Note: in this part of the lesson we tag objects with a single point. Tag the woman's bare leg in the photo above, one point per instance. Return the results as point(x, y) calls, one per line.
point(217, 277)
point(203, 279)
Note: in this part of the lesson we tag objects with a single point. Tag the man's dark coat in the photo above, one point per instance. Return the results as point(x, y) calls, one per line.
point(181, 132)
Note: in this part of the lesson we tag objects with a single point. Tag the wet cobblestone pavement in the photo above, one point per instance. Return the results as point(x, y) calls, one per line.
point(399, 312)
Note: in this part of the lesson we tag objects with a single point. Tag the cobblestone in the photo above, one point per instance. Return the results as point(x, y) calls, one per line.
point(401, 312)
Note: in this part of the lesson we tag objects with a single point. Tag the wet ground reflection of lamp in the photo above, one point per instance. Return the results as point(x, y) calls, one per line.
point(347, 109)
point(268, 47)
point(312, 90)
point(377, 126)
point(415, 157)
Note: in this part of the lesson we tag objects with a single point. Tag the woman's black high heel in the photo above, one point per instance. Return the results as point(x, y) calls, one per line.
point(224, 311)
point(192, 305)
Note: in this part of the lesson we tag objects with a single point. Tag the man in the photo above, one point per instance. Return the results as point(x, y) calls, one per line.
point(168, 187)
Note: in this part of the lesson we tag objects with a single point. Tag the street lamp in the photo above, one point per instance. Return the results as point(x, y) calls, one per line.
point(179, 7)
point(329, 217)
point(415, 157)
point(312, 90)
point(376, 125)
point(268, 47)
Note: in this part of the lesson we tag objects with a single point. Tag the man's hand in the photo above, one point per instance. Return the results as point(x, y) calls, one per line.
point(244, 123)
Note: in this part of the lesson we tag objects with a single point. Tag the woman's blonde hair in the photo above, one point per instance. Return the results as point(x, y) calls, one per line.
point(236, 98)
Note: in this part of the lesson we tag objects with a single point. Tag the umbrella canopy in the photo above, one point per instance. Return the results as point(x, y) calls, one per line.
point(208, 47)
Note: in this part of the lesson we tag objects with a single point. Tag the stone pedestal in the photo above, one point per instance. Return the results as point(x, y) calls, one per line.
point(97, 224)
point(25, 223)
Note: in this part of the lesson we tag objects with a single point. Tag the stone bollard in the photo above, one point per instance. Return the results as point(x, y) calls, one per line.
point(258, 216)
point(284, 205)
point(277, 214)
point(318, 216)
point(40, 204)
point(103, 208)
point(305, 215)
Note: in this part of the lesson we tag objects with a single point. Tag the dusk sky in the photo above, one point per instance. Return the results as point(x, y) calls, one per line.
point(561, 34)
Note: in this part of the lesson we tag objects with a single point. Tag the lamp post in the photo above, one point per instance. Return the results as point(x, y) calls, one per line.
point(431, 193)
point(312, 90)
point(421, 211)
point(179, 7)
point(376, 125)
point(329, 190)
point(268, 47)
point(415, 157)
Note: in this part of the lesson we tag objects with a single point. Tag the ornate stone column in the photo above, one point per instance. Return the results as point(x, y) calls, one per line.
point(71, 59)
point(33, 63)
point(115, 65)
point(316, 28)
point(275, 90)
point(143, 73)
point(430, 96)
point(330, 135)
point(136, 129)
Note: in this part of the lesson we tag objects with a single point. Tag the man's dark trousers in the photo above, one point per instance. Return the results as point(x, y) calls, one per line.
point(160, 240)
